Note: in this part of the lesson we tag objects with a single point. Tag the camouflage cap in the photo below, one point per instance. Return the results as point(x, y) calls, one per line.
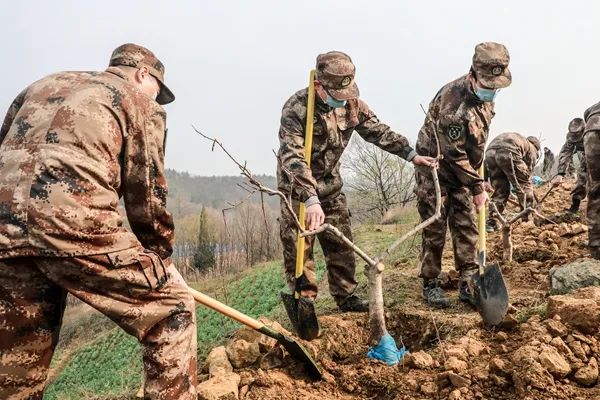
point(133, 55)
point(336, 72)
point(576, 125)
point(535, 142)
point(490, 63)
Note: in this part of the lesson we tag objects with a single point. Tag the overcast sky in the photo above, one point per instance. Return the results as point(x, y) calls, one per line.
point(232, 64)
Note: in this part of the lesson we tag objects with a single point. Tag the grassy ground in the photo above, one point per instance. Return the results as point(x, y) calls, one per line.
point(109, 366)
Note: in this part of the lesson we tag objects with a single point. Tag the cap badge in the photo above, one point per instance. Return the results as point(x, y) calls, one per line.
point(497, 70)
point(346, 81)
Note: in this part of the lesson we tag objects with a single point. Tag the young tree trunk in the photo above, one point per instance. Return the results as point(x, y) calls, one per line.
point(377, 326)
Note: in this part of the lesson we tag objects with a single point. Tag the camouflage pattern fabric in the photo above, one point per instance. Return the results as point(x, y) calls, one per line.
point(510, 159)
point(333, 128)
point(133, 287)
point(459, 122)
point(574, 145)
point(591, 143)
point(458, 213)
point(548, 162)
point(71, 144)
point(339, 258)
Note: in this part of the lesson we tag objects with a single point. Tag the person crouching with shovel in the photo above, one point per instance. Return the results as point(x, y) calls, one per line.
point(309, 172)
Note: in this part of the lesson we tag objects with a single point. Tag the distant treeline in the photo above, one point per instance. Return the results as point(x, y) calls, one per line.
point(188, 193)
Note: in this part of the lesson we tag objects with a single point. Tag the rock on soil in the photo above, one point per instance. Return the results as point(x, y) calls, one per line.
point(579, 309)
point(580, 273)
point(222, 387)
point(242, 353)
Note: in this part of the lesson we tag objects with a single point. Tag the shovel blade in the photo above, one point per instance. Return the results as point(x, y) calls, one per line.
point(302, 315)
point(491, 295)
point(296, 350)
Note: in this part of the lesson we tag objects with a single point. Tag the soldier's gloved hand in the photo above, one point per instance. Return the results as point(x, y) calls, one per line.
point(425, 161)
point(314, 217)
point(558, 180)
point(480, 199)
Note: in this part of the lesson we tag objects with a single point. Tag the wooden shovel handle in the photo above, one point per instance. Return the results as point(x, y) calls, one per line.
point(225, 309)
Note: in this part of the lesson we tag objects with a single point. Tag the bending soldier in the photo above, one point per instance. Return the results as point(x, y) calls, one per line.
point(548, 163)
point(510, 159)
point(71, 145)
point(573, 144)
point(338, 113)
point(458, 123)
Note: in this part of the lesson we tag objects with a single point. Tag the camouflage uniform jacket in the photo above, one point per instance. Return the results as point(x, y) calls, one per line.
point(574, 144)
point(71, 145)
point(592, 118)
point(518, 146)
point(333, 128)
point(462, 124)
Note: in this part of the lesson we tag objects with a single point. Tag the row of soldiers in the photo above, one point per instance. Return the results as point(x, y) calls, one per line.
point(74, 143)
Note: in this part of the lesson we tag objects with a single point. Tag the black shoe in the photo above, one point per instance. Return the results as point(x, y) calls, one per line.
point(354, 303)
point(491, 226)
point(574, 209)
point(465, 292)
point(435, 295)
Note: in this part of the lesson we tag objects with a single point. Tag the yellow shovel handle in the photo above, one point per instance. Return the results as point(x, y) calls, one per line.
point(308, 138)
point(481, 227)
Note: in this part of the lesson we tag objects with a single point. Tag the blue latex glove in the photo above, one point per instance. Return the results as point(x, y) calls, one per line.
point(536, 180)
point(387, 351)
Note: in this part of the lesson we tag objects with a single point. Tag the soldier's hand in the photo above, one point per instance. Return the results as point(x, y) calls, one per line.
point(314, 217)
point(558, 180)
point(480, 199)
point(425, 161)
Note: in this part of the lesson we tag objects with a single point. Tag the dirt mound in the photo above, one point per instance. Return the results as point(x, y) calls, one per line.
point(551, 351)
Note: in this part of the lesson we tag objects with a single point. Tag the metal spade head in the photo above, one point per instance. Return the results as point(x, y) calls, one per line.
point(296, 350)
point(491, 294)
point(302, 315)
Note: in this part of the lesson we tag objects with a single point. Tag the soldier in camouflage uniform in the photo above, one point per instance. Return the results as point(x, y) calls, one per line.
point(591, 144)
point(456, 128)
point(574, 144)
point(548, 163)
point(510, 159)
point(71, 145)
point(338, 113)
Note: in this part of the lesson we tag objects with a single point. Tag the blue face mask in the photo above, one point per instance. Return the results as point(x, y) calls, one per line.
point(486, 94)
point(333, 103)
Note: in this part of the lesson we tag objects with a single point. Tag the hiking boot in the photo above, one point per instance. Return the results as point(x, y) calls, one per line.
point(435, 295)
point(491, 225)
point(354, 303)
point(574, 209)
point(595, 252)
point(465, 293)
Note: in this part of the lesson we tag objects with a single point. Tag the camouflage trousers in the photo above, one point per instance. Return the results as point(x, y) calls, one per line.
point(506, 169)
point(341, 264)
point(132, 287)
point(591, 143)
point(580, 190)
point(458, 213)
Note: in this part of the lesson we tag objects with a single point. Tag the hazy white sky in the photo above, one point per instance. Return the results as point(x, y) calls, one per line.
point(232, 64)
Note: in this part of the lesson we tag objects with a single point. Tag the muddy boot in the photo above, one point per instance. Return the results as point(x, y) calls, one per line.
point(574, 206)
point(465, 288)
point(354, 303)
point(491, 225)
point(595, 252)
point(435, 295)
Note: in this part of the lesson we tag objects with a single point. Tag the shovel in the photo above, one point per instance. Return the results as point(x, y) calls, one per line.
point(295, 349)
point(301, 310)
point(489, 288)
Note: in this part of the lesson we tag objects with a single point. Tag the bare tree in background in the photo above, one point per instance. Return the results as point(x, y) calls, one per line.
point(378, 181)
